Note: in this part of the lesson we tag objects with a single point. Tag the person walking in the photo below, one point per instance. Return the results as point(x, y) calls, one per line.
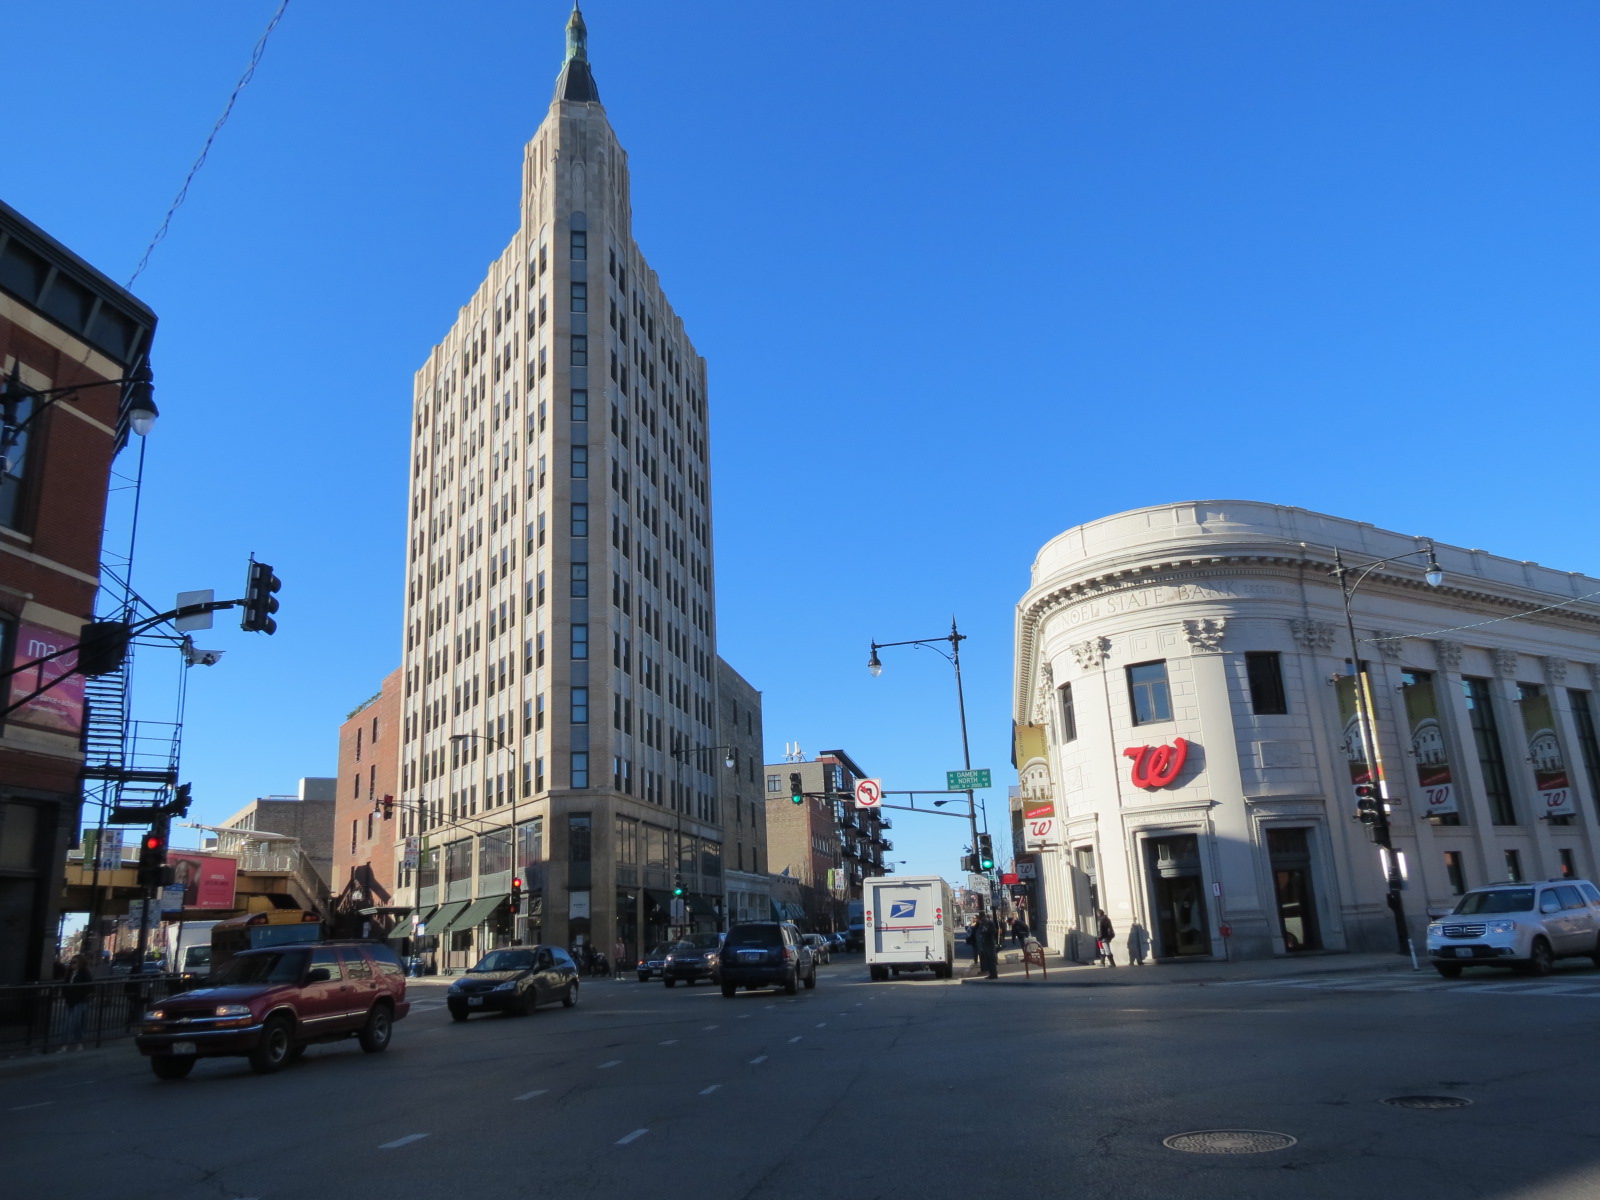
point(76, 989)
point(1020, 931)
point(1104, 932)
point(972, 939)
point(988, 946)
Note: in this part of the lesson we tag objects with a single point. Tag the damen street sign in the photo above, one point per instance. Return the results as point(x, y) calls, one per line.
point(960, 781)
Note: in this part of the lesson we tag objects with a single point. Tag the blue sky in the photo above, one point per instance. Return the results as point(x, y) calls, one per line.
point(965, 276)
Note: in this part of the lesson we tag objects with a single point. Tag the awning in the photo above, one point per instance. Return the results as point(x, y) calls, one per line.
point(406, 926)
point(700, 906)
point(442, 916)
point(477, 912)
point(662, 900)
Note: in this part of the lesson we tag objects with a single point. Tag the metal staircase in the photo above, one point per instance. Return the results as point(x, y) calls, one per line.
point(126, 763)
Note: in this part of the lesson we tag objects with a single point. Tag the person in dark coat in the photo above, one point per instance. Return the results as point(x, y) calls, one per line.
point(1104, 932)
point(77, 986)
point(1020, 931)
point(989, 946)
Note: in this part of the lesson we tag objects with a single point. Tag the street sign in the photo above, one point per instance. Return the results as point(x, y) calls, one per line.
point(110, 849)
point(413, 853)
point(172, 898)
point(1038, 831)
point(979, 884)
point(195, 620)
point(1025, 870)
point(869, 793)
point(960, 781)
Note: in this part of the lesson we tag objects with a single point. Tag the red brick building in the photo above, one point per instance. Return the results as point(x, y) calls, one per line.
point(366, 814)
point(63, 326)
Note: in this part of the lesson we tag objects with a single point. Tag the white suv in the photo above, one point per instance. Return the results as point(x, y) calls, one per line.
point(1526, 926)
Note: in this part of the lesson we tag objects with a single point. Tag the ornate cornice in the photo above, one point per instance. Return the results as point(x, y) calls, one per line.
point(1314, 635)
point(1091, 653)
point(1505, 662)
point(1447, 654)
point(1205, 635)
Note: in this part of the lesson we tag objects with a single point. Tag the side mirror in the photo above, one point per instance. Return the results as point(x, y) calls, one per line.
point(318, 975)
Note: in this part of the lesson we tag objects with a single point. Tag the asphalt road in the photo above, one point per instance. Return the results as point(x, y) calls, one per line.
point(901, 1089)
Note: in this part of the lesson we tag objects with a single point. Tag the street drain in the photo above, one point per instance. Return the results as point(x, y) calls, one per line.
point(1228, 1141)
point(1428, 1102)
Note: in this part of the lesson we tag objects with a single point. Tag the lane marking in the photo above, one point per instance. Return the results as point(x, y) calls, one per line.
point(760, 1058)
point(615, 1062)
point(746, 1016)
point(668, 1042)
point(405, 1141)
point(532, 1094)
point(709, 1090)
point(708, 1028)
point(820, 1024)
point(794, 1039)
point(25, 1107)
point(632, 1137)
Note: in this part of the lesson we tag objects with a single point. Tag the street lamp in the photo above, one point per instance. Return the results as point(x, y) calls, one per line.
point(955, 638)
point(140, 408)
point(516, 868)
point(1378, 812)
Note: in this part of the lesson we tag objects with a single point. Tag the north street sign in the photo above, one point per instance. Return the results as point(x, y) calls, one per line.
point(960, 781)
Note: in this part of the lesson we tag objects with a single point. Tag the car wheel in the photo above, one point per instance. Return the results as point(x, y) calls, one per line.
point(1540, 960)
point(644, 976)
point(668, 980)
point(791, 985)
point(457, 1014)
point(729, 990)
point(811, 979)
point(297, 1052)
point(172, 1066)
point(878, 974)
point(277, 1042)
point(570, 996)
point(375, 1034)
point(1448, 970)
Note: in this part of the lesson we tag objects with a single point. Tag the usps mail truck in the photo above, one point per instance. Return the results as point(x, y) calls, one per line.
point(910, 925)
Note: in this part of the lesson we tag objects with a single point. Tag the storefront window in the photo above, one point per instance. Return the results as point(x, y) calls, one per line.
point(1491, 758)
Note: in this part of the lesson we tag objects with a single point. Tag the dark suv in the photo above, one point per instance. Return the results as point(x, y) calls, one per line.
point(268, 1005)
point(765, 954)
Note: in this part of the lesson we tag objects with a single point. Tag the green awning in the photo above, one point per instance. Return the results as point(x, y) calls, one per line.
point(476, 913)
point(700, 906)
point(442, 917)
point(662, 900)
point(406, 926)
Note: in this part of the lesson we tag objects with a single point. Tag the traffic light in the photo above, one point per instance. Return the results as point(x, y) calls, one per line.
point(797, 794)
point(388, 811)
point(985, 852)
point(677, 885)
point(153, 869)
point(102, 646)
point(1369, 808)
point(969, 863)
point(180, 802)
point(516, 896)
point(259, 601)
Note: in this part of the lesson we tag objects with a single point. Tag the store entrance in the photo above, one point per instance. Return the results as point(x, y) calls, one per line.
point(1290, 854)
point(1183, 928)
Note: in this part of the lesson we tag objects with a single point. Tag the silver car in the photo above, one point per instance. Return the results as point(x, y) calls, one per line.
point(821, 948)
point(1526, 926)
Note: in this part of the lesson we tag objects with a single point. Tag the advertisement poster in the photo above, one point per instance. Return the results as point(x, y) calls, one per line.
point(1427, 745)
point(207, 880)
point(61, 708)
point(1355, 750)
point(1544, 752)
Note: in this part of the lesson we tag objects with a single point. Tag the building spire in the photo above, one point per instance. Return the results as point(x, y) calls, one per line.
point(577, 36)
point(575, 82)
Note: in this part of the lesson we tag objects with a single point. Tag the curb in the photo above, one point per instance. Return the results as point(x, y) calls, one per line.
point(1138, 979)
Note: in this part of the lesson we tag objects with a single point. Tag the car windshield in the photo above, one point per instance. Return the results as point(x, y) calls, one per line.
point(279, 966)
point(659, 951)
point(1507, 901)
point(698, 941)
point(505, 960)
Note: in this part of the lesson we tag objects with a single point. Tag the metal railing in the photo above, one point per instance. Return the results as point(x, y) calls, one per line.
point(37, 1017)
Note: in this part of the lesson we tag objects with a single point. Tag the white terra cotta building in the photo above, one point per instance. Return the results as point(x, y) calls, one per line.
point(1217, 624)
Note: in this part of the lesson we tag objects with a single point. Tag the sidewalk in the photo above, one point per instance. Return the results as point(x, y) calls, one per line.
point(1063, 973)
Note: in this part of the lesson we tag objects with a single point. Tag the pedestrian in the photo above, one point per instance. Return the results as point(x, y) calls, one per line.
point(1138, 944)
point(972, 939)
point(619, 954)
point(1020, 930)
point(1103, 935)
point(988, 946)
point(76, 989)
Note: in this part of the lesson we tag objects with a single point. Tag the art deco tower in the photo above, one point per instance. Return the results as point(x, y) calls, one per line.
point(560, 602)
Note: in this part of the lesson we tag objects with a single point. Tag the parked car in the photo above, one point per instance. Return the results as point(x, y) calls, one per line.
point(515, 980)
point(766, 954)
point(268, 1005)
point(653, 964)
point(1526, 926)
point(837, 944)
point(692, 958)
point(821, 950)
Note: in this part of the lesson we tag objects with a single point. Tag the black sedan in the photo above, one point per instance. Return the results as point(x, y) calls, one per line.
point(515, 980)
point(692, 958)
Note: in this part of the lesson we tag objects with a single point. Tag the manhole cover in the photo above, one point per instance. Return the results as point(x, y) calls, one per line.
point(1428, 1101)
point(1228, 1141)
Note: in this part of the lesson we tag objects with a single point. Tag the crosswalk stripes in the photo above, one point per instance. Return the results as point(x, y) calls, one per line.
point(1584, 989)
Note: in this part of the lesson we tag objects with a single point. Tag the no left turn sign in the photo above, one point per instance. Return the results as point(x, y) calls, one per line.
point(869, 793)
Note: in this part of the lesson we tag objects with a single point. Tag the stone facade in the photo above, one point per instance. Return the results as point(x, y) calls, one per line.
point(1219, 625)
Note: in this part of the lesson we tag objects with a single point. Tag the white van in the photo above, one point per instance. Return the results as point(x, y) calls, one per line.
point(910, 925)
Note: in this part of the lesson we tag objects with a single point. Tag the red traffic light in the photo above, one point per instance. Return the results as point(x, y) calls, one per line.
point(516, 885)
point(152, 841)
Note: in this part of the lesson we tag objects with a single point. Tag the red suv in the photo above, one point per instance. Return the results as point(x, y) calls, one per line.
point(270, 1004)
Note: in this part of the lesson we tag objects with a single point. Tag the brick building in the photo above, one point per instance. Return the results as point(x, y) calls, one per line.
point(366, 806)
point(63, 327)
point(826, 844)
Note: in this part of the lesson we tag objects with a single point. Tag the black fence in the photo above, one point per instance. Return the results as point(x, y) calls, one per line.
point(37, 1017)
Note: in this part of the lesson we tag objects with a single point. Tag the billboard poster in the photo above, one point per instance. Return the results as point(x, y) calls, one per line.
point(1427, 745)
point(1544, 752)
point(1350, 696)
point(61, 708)
point(207, 880)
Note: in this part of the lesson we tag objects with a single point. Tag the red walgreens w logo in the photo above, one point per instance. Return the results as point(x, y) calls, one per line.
point(1157, 766)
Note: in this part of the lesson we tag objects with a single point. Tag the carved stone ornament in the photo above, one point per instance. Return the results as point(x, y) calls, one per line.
point(1555, 671)
point(1091, 653)
point(1043, 693)
point(1505, 663)
point(1390, 644)
point(1205, 635)
point(1449, 655)
point(1314, 635)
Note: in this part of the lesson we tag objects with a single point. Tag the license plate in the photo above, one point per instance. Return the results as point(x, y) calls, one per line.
point(751, 955)
point(183, 1047)
point(1463, 951)
point(474, 1001)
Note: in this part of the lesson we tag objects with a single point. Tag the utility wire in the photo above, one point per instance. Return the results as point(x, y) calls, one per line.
point(183, 192)
point(1480, 624)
